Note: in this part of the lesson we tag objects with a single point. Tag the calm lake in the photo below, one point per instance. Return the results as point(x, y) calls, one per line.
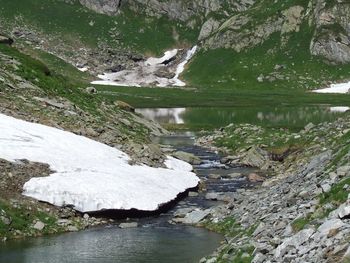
point(295, 117)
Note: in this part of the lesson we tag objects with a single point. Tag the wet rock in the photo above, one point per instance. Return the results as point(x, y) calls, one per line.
point(128, 225)
point(72, 229)
point(214, 176)
point(211, 196)
point(195, 217)
point(183, 212)
point(187, 157)
point(235, 175)
point(255, 157)
point(192, 194)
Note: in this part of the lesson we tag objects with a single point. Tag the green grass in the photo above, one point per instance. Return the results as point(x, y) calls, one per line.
point(71, 23)
point(300, 223)
point(22, 220)
point(228, 226)
point(337, 195)
point(53, 83)
point(225, 78)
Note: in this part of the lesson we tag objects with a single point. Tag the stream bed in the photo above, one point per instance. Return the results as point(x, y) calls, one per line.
point(155, 239)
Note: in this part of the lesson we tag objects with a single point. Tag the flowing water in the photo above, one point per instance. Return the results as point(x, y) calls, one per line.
point(155, 240)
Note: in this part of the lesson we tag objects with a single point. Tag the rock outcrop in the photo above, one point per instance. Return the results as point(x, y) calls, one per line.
point(109, 7)
point(331, 37)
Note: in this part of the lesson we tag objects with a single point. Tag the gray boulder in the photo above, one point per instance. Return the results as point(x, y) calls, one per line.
point(187, 157)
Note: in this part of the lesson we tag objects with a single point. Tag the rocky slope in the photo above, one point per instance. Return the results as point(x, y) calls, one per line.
point(244, 24)
point(301, 213)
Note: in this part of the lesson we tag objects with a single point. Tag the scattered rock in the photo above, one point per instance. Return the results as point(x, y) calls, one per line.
point(91, 90)
point(72, 229)
point(195, 217)
point(39, 225)
point(187, 157)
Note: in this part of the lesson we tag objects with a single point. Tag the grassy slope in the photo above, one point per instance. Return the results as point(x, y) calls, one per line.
point(71, 23)
point(217, 77)
point(223, 77)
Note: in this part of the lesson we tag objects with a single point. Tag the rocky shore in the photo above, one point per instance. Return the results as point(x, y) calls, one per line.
point(301, 212)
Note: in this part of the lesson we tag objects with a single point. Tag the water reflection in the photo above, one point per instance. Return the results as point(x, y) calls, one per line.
point(164, 115)
point(281, 116)
point(114, 245)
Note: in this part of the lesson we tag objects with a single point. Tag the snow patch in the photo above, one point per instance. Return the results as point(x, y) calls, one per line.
point(145, 73)
point(89, 175)
point(342, 88)
point(177, 165)
point(339, 109)
point(167, 56)
point(84, 69)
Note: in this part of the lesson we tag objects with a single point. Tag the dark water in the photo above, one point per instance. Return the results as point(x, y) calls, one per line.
point(279, 116)
point(113, 245)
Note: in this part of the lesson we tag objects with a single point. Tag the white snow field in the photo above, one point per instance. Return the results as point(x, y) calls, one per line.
point(335, 88)
point(145, 73)
point(89, 175)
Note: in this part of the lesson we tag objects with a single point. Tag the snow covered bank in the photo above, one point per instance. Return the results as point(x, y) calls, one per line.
point(147, 73)
point(89, 175)
point(342, 88)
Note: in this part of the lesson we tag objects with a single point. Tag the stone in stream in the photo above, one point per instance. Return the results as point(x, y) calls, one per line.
point(193, 217)
point(255, 157)
point(128, 225)
point(211, 196)
point(187, 157)
point(192, 194)
point(235, 175)
point(214, 176)
point(182, 212)
point(72, 229)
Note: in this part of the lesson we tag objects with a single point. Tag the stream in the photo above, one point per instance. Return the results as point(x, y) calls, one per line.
point(154, 240)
